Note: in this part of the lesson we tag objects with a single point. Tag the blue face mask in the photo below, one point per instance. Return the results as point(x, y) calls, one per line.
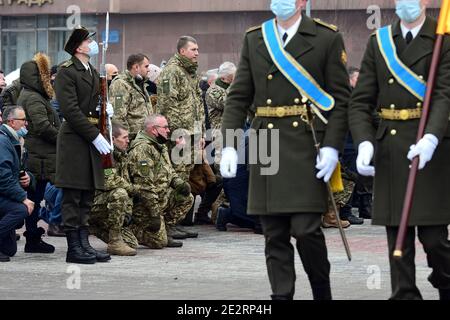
point(283, 9)
point(93, 48)
point(22, 132)
point(408, 10)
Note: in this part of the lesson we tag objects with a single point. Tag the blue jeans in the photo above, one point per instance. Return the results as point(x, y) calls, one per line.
point(12, 215)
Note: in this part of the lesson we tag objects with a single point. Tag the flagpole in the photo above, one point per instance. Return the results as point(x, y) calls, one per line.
point(308, 8)
point(410, 187)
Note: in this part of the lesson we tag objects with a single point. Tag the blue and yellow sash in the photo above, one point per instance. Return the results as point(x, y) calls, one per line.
point(405, 76)
point(292, 70)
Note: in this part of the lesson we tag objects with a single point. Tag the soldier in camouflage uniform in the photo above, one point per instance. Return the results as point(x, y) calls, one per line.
point(164, 198)
point(179, 98)
point(129, 96)
point(215, 99)
point(112, 205)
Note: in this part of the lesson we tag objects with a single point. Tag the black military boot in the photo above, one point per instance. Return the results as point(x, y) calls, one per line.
point(321, 291)
point(75, 254)
point(4, 257)
point(280, 297)
point(188, 220)
point(189, 234)
point(365, 206)
point(444, 294)
point(173, 244)
point(34, 243)
point(84, 241)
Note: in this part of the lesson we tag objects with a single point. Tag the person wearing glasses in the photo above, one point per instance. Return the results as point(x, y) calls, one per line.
point(80, 144)
point(14, 203)
point(164, 198)
point(129, 95)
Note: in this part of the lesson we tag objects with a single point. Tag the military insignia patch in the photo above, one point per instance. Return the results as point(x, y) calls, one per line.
point(166, 86)
point(118, 101)
point(344, 57)
point(108, 172)
point(144, 168)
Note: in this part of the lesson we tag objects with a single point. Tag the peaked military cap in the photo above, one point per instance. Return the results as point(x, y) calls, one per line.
point(79, 34)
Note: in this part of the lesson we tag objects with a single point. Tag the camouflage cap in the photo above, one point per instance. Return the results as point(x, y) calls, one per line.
point(78, 35)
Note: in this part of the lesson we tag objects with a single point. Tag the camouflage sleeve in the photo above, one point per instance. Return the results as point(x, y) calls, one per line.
point(215, 99)
point(114, 180)
point(170, 96)
point(141, 166)
point(119, 97)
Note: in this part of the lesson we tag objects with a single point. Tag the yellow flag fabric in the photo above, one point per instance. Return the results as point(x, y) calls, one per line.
point(336, 180)
point(444, 18)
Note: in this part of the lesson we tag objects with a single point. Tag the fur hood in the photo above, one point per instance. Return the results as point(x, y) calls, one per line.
point(35, 75)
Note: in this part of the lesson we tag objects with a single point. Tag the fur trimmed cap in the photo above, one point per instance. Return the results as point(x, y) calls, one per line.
point(78, 35)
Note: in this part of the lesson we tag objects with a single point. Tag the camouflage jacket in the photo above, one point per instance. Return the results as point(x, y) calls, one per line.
point(131, 104)
point(215, 100)
point(180, 97)
point(151, 171)
point(116, 177)
point(10, 94)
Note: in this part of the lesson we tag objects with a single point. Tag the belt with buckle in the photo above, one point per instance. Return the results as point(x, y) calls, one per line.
point(93, 121)
point(281, 111)
point(400, 114)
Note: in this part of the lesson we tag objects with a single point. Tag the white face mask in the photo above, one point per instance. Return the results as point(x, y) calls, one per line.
point(408, 10)
point(93, 48)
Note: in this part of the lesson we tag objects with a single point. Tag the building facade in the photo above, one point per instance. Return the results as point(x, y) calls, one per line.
point(153, 26)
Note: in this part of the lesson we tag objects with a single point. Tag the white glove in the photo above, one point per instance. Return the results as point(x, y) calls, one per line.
point(229, 162)
point(326, 163)
point(424, 149)
point(102, 144)
point(109, 109)
point(365, 155)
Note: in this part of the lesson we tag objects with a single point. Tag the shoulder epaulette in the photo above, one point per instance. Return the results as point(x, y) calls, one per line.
point(67, 63)
point(253, 28)
point(328, 25)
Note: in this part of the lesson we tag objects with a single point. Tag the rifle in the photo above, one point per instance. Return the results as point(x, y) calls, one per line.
point(105, 121)
point(309, 119)
point(442, 29)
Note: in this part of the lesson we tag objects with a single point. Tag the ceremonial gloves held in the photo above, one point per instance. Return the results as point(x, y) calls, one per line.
point(365, 155)
point(109, 110)
point(424, 149)
point(102, 145)
point(229, 162)
point(326, 163)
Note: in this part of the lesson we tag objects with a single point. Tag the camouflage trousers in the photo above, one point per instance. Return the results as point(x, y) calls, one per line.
point(108, 213)
point(342, 197)
point(150, 229)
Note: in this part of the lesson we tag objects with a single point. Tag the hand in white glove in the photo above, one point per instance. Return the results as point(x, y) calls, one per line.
point(326, 163)
point(109, 110)
point(228, 163)
point(424, 149)
point(365, 155)
point(102, 144)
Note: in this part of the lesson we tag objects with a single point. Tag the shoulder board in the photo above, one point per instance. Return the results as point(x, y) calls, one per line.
point(327, 25)
point(253, 28)
point(67, 63)
point(373, 33)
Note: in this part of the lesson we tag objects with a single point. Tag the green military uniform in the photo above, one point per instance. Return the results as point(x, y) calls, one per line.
point(115, 202)
point(131, 102)
point(78, 163)
point(10, 94)
point(215, 100)
point(377, 89)
point(291, 201)
point(159, 205)
point(180, 101)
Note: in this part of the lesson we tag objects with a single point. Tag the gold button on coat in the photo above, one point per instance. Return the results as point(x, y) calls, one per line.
point(304, 100)
point(393, 132)
point(295, 124)
point(419, 104)
point(297, 101)
point(391, 81)
point(392, 106)
point(269, 101)
point(270, 126)
point(269, 77)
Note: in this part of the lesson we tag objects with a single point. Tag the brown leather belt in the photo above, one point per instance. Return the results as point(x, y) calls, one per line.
point(400, 114)
point(281, 111)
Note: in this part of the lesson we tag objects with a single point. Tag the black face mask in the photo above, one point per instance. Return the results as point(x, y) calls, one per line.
point(112, 78)
point(161, 139)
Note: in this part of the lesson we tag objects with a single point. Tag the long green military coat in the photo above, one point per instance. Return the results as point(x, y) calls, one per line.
point(78, 164)
point(320, 50)
point(377, 88)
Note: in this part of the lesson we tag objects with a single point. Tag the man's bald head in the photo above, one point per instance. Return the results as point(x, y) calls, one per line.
point(111, 71)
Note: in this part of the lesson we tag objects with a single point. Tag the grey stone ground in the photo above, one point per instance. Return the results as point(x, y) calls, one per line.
point(217, 265)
